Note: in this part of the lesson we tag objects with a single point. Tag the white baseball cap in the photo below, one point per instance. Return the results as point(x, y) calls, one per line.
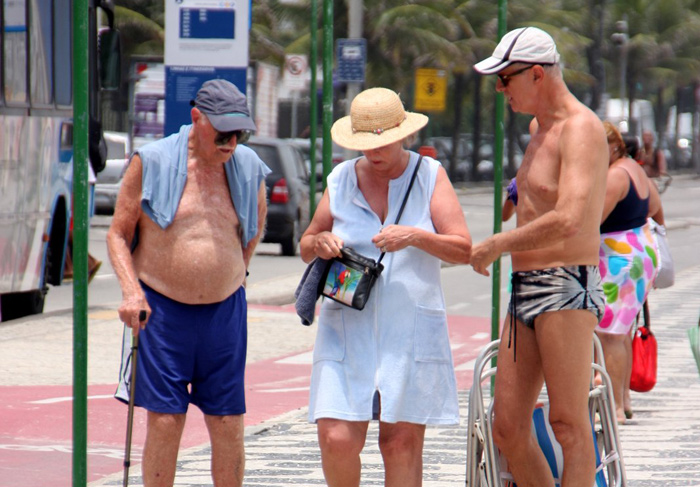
point(525, 45)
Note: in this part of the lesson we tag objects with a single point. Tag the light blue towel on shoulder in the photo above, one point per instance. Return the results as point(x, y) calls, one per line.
point(165, 174)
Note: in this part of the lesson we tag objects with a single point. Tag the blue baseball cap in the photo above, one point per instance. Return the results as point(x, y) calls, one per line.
point(224, 105)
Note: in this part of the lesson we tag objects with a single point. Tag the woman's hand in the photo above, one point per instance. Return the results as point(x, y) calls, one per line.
point(393, 237)
point(327, 245)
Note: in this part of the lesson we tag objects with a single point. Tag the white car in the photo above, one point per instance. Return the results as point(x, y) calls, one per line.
point(109, 180)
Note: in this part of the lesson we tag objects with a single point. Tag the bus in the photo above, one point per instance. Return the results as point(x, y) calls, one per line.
point(36, 141)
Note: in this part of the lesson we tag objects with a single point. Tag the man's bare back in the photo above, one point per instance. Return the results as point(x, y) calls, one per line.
point(198, 259)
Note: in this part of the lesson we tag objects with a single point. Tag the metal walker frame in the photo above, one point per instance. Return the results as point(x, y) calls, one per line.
point(483, 461)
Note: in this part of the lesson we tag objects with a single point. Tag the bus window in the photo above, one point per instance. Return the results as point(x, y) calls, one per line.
point(15, 51)
point(63, 67)
point(41, 56)
point(65, 151)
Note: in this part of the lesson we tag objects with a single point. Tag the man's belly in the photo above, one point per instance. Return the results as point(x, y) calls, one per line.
point(559, 256)
point(199, 272)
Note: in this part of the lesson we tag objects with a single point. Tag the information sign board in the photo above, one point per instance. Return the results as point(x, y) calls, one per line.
point(351, 55)
point(204, 39)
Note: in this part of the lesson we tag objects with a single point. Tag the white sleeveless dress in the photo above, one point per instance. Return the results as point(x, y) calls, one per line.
point(398, 346)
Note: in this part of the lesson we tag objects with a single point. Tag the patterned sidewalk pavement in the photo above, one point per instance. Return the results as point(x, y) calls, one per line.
point(660, 444)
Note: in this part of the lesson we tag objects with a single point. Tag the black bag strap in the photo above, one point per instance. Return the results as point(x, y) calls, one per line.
point(644, 313)
point(645, 310)
point(405, 198)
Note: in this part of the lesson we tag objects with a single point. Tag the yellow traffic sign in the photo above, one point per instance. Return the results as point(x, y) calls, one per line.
point(431, 90)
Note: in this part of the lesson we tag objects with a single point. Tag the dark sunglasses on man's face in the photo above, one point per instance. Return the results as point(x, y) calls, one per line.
point(505, 78)
point(223, 138)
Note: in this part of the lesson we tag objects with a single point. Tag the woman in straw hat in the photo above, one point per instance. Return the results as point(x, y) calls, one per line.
point(391, 361)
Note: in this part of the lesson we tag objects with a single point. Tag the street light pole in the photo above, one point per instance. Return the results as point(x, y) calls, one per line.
point(355, 8)
point(313, 116)
point(499, 138)
point(620, 38)
point(327, 117)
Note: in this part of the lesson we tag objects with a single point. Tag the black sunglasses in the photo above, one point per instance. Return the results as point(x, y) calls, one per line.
point(223, 138)
point(505, 78)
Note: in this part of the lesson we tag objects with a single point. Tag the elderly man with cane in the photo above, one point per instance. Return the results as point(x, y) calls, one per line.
point(189, 215)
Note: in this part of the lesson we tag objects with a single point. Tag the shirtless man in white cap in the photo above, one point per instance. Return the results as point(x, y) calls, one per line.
point(557, 298)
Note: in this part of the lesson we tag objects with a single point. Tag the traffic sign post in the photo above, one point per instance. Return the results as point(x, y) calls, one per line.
point(296, 68)
point(295, 74)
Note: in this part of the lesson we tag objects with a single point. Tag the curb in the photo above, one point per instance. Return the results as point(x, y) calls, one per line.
point(273, 292)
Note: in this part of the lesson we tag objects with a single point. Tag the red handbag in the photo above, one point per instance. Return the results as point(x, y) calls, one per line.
point(644, 355)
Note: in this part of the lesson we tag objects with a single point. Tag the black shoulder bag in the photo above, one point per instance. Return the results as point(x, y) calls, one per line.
point(349, 279)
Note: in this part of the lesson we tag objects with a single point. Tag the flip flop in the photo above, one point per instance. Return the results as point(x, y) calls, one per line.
point(94, 270)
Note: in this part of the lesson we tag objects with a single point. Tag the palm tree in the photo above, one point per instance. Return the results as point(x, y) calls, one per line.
point(390, 24)
point(140, 24)
point(140, 33)
point(453, 34)
point(663, 51)
point(277, 29)
point(478, 28)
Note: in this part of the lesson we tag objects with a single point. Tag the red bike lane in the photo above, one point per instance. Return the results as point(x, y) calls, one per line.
point(36, 421)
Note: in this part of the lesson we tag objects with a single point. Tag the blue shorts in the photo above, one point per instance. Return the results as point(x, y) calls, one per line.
point(193, 354)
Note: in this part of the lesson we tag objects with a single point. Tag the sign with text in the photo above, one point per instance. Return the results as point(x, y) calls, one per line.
point(204, 39)
point(206, 33)
point(351, 55)
point(431, 90)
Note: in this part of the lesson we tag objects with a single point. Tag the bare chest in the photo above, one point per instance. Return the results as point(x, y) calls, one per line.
point(538, 176)
point(376, 196)
point(206, 200)
point(198, 257)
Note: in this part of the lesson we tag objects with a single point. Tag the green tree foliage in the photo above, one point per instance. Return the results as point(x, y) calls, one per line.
point(142, 27)
point(402, 35)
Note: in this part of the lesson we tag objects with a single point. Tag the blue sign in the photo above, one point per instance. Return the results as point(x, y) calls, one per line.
point(204, 39)
point(182, 84)
point(352, 58)
point(207, 23)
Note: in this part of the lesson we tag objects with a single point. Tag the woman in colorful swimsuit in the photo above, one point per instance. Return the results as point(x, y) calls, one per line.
point(628, 261)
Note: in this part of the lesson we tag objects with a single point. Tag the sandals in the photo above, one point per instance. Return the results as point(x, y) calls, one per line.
point(92, 272)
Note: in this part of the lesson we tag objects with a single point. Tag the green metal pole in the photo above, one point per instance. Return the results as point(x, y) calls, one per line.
point(498, 186)
point(80, 232)
point(313, 62)
point(327, 87)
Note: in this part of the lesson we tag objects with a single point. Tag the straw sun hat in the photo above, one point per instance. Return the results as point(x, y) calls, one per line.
point(377, 118)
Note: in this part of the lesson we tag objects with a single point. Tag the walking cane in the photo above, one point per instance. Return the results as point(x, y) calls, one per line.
point(132, 394)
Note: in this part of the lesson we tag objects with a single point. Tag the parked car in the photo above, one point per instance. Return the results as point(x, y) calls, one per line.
point(109, 180)
point(463, 169)
point(304, 145)
point(287, 191)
